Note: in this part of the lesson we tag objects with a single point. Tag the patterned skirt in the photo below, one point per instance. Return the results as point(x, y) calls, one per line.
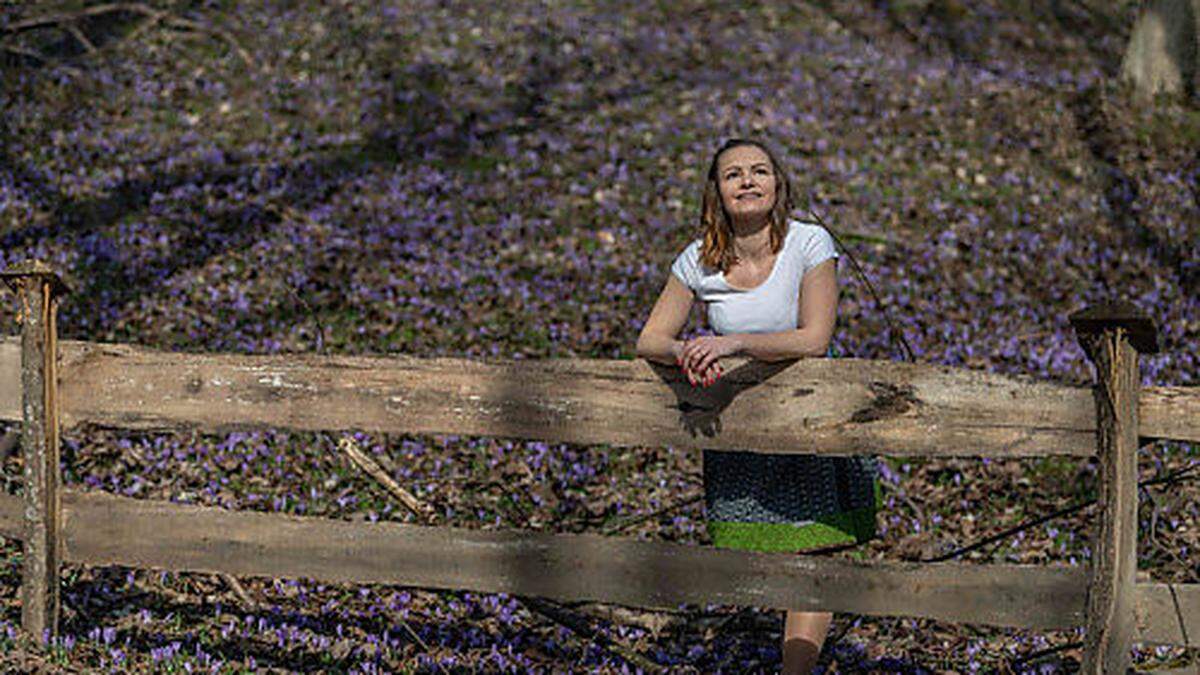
point(789, 503)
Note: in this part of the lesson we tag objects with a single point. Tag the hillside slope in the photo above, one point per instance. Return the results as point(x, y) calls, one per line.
point(500, 180)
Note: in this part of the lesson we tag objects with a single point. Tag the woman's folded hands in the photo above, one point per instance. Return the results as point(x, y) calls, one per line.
point(700, 358)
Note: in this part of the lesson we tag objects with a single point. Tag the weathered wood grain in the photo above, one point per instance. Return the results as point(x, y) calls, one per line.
point(10, 379)
point(1111, 602)
point(835, 406)
point(103, 529)
point(42, 554)
point(1169, 412)
point(1169, 614)
point(824, 406)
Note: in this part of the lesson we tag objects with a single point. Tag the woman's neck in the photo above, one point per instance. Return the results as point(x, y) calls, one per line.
point(752, 240)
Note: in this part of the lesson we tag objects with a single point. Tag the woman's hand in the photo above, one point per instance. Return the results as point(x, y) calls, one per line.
point(704, 378)
point(699, 356)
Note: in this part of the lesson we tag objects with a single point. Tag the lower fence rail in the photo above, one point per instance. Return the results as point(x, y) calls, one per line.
point(105, 529)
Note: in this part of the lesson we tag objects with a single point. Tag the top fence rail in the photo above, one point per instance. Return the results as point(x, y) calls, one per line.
point(819, 406)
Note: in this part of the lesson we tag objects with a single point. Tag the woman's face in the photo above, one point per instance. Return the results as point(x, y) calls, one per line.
point(746, 181)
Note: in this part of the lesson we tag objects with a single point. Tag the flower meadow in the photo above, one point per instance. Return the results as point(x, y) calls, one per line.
point(511, 181)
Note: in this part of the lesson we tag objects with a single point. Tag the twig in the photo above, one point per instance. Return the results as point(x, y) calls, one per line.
point(320, 339)
point(372, 468)
point(30, 54)
point(66, 21)
point(653, 620)
point(163, 589)
point(418, 509)
point(1042, 653)
point(579, 626)
point(81, 38)
point(916, 508)
point(1173, 477)
point(1165, 547)
point(629, 522)
point(1153, 510)
point(56, 20)
point(238, 589)
point(546, 608)
point(1033, 334)
point(27, 53)
point(421, 642)
point(150, 22)
point(1179, 614)
point(219, 32)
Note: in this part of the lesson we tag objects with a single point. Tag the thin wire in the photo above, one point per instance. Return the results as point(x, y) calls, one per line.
point(1173, 477)
point(1011, 531)
point(895, 334)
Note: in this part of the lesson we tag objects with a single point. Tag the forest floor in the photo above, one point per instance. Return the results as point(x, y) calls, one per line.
point(513, 180)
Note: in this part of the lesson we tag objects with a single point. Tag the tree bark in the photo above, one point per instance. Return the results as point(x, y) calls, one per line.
point(1161, 54)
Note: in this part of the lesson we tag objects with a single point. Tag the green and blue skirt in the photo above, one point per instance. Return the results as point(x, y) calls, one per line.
point(789, 503)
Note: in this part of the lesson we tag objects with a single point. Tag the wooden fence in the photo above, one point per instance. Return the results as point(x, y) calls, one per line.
point(841, 406)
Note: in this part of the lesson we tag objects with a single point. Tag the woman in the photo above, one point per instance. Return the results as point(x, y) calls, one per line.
point(769, 285)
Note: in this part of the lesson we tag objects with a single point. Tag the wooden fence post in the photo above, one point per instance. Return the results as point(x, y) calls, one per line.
point(39, 289)
point(1113, 335)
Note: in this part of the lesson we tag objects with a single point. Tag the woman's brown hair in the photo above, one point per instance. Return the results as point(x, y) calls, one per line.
point(717, 249)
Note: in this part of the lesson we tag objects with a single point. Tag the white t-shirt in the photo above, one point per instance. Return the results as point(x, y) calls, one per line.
point(773, 305)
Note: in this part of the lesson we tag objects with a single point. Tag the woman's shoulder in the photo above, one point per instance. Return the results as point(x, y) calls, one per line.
point(811, 243)
point(687, 264)
point(802, 229)
point(807, 235)
point(690, 253)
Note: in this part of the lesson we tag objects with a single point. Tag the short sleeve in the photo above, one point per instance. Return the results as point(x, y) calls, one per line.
point(817, 248)
point(687, 266)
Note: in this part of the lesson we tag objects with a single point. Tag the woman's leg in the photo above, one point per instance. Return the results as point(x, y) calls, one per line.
point(803, 635)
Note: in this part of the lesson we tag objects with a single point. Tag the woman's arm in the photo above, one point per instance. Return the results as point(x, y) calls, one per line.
point(818, 315)
point(657, 341)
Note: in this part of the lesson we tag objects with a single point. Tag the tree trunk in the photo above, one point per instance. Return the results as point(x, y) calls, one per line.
point(1161, 54)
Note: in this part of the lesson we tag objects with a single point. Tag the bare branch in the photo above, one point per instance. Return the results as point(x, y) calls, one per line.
point(238, 590)
point(626, 523)
point(81, 38)
point(150, 22)
point(67, 21)
point(578, 625)
point(41, 58)
point(418, 508)
point(546, 608)
point(219, 32)
point(59, 19)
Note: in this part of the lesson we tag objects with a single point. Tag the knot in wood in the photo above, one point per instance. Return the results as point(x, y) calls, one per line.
point(890, 400)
